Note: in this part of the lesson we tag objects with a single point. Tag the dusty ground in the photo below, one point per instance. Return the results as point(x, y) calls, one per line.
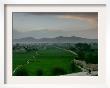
point(94, 73)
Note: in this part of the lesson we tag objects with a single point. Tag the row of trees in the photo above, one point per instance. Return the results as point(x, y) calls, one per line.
point(28, 48)
point(86, 52)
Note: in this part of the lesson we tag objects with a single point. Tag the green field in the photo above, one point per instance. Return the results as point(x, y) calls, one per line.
point(45, 59)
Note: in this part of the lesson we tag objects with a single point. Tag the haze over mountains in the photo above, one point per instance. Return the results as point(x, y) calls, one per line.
point(46, 33)
point(54, 37)
point(59, 39)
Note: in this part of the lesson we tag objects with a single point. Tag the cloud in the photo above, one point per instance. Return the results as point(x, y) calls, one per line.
point(90, 18)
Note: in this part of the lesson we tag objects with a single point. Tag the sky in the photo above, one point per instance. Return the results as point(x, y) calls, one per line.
point(81, 24)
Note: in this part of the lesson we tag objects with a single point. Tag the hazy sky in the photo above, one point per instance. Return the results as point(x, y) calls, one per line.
point(83, 24)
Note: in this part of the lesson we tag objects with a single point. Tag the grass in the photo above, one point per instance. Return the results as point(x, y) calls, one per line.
point(21, 58)
point(46, 60)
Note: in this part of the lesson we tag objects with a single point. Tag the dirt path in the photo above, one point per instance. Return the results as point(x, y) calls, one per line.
point(67, 50)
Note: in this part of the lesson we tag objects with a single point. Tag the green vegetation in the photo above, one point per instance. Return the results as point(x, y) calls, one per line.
point(74, 67)
point(51, 59)
point(20, 71)
point(58, 71)
point(86, 52)
point(39, 72)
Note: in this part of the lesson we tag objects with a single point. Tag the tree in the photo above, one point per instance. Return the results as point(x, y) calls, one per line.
point(73, 67)
point(92, 57)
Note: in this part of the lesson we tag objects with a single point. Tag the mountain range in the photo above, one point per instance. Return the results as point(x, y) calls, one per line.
point(52, 33)
point(59, 39)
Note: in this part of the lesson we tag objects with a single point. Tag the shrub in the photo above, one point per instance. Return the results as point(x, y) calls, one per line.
point(39, 72)
point(74, 68)
point(92, 58)
point(20, 71)
point(81, 55)
point(58, 71)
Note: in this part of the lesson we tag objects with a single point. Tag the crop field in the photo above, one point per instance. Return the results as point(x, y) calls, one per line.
point(54, 59)
point(47, 61)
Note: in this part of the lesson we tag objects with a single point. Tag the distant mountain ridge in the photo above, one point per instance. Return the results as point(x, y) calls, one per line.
point(48, 33)
point(59, 39)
